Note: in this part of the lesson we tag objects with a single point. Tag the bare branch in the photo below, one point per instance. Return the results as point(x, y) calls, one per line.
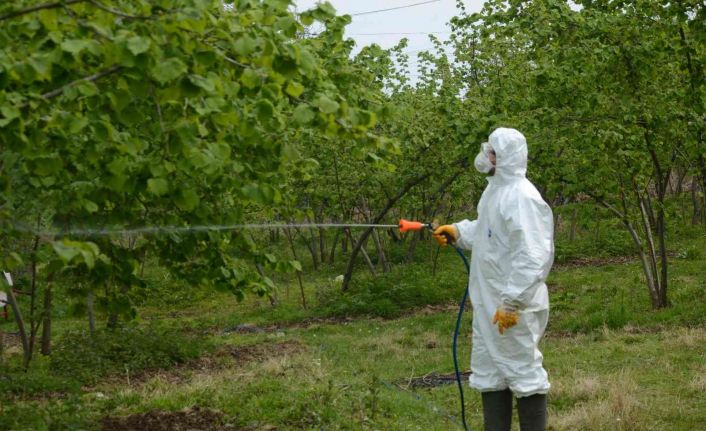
point(91, 78)
point(231, 61)
point(31, 9)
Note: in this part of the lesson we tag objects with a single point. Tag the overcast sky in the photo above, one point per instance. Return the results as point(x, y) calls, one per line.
point(424, 18)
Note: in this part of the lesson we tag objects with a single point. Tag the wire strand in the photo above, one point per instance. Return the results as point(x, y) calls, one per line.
point(393, 8)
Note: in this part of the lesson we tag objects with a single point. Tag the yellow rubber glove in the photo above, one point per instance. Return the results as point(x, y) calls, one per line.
point(505, 317)
point(445, 229)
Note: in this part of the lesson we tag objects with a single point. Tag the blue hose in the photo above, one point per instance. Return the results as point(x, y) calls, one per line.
point(455, 344)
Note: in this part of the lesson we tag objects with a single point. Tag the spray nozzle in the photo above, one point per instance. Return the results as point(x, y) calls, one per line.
point(407, 225)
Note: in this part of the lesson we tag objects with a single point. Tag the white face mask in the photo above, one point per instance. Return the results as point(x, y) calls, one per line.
point(482, 162)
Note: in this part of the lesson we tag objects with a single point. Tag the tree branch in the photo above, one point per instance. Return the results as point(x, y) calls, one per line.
point(91, 78)
point(31, 9)
point(390, 203)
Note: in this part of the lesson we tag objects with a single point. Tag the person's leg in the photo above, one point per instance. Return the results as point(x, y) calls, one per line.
point(497, 410)
point(533, 412)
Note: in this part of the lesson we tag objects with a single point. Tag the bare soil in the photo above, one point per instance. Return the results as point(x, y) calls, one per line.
point(192, 419)
point(261, 351)
point(432, 380)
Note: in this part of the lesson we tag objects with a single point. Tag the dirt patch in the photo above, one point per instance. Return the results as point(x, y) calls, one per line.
point(227, 356)
point(315, 321)
point(260, 352)
point(432, 380)
point(580, 262)
point(186, 420)
point(601, 261)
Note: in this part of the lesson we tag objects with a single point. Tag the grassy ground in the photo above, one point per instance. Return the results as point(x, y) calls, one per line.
point(613, 363)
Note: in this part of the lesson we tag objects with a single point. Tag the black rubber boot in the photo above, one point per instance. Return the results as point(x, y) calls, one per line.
point(533, 412)
point(497, 410)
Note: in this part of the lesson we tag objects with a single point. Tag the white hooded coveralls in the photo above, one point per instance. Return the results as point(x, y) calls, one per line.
point(513, 249)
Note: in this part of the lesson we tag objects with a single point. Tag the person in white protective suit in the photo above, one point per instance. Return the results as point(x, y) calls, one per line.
point(513, 249)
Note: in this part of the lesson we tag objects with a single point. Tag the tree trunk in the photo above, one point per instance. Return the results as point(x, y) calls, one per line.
point(680, 182)
point(322, 244)
point(344, 241)
point(645, 260)
point(382, 260)
point(20, 325)
point(696, 76)
point(574, 223)
point(334, 244)
point(288, 234)
point(46, 325)
point(91, 316)
point(33, 325)
point(311, 246)
point(696, 217)
point(364, 252)
point(112, 317)
point(390, 202)
point(661, 233)
point(652, 253)
point(557, 222)
point(703, 190)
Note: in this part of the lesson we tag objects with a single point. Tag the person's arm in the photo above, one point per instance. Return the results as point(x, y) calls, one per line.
point(531, 240)
point(466, 231)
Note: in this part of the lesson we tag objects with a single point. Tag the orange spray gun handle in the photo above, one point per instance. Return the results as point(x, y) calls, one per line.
point(407, 225)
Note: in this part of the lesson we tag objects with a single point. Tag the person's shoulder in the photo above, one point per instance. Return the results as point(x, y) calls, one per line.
point(526, 193)
point(525, 189)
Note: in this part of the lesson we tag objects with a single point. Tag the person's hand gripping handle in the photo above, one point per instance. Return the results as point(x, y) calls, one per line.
point(446, 234)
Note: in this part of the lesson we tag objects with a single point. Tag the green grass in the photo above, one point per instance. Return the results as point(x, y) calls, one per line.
point(614, 364)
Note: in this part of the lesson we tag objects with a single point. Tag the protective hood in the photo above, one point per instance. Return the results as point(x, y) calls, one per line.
point(511, 154)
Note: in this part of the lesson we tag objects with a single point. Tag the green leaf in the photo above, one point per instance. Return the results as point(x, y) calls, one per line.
point(42, 65)
point(167, 71)
point(296, 265)
point(45, 166)
point(327, 9)
point(254, 193)
point(306, 18)
point(205, 58)
point(74, 46)
point(245, 45)
point(12, 261)
point(294, 89)
point(303, 114)
point(118, 165)
point(203, 83)
point(65, 250)
point(77, 124)
point(10, 113)
point(187, 199)
point(326, 105)
point(157, 186)
point(90, 206)
point(265, 110)
point(250, 78)
point(137, 45)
